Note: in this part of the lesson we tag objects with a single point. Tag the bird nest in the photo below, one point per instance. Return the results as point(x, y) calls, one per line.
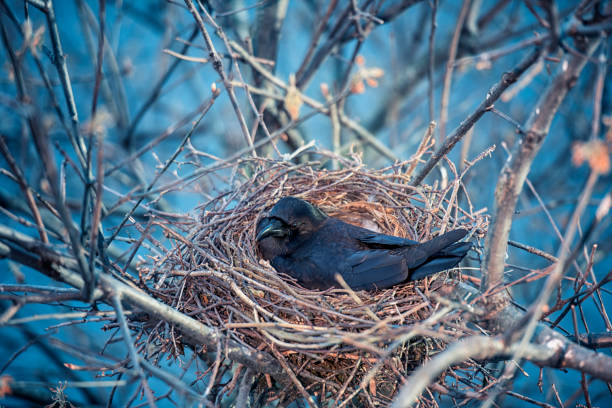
point(335, 345)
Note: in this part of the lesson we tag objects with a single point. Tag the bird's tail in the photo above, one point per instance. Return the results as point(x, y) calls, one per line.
point(444, 253)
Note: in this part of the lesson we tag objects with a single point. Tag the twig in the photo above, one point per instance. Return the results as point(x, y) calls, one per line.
point(127, 337)
point(515, 171)
point(167, 164)
point(493, 94)
point(315, 38)
point(450, 63)
point(288, 371)
point(432, 59)
point(599, 86)
point(156, 91)
point(533, 250)
point(25, 188)
point(98, 74)
point(59, 61)
point(217, 63)
point(245, 387)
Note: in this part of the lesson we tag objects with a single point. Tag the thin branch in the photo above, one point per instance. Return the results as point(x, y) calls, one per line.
point(156, 91)
point(450, 62)
point(508, 78)
point(25, 188)
point(432, 59)
point(515, 170)
point(167, 164)
point(127, 337)
point(218, 66)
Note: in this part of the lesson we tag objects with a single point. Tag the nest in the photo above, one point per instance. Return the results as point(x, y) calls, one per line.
point(337, 345)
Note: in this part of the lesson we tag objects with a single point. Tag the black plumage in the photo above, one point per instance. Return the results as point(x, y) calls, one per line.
point(302, 241)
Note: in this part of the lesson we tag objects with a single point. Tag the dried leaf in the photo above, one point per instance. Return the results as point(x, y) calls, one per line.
point(5, 385)
point(372, 83)
point(373, 387)
point(595, 152)
point(357, 86)
point(293, 99)
point(325, 89)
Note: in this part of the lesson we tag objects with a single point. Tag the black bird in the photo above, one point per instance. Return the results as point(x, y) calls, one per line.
point(302, 241)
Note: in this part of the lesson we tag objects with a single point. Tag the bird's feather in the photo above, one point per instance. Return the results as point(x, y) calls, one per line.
point(312, 248)
point(371, 269)
point(375, 239)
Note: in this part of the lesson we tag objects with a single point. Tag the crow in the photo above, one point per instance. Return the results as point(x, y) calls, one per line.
point(303, 242)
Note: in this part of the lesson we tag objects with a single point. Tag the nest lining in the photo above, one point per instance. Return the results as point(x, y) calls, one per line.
point(336, 341)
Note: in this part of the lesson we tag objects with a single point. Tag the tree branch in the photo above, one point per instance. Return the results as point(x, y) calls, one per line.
point(515, 171)
point(547, 348)
point(508, 78)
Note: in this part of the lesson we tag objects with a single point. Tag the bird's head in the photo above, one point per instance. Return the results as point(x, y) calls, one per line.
point(289, 218)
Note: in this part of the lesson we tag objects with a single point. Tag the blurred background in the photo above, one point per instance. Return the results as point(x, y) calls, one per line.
point(139, 89)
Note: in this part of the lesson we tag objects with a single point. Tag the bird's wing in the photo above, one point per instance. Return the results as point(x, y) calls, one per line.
point(389, 241)
point(377, 268)
point(306, 271)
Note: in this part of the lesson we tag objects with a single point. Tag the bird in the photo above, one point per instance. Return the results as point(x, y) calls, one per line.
point(303, 242)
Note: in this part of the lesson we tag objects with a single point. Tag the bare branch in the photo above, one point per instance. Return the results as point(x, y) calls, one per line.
point(492, 95)
point(515, 170)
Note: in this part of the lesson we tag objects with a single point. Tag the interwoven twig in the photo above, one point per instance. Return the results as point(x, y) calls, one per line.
point(337, 343)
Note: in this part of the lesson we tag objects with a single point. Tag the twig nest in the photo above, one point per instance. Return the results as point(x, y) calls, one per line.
point(335, 341)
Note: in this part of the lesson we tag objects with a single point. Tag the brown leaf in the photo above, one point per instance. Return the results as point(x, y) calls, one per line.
point(325, 89)
point(357, 86)
point(5, 387)
point(293, 99)
point(373, 387)
point(600, 160)
point(372, 83)
point(595, 152)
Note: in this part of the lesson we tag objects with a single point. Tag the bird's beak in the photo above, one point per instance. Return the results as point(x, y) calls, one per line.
point(274, 228)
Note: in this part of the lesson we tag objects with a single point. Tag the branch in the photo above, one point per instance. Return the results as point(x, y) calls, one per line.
point(507, 79)
point(515, 170)
point(25, 189)
point(359, 130)
point(594, 340)
point(45, 260)
point(450, 65)
point(127, 337)
point(218, 66)
point(547, 349)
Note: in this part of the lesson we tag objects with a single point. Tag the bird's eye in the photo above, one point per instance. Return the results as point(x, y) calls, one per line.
point(297, 225)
